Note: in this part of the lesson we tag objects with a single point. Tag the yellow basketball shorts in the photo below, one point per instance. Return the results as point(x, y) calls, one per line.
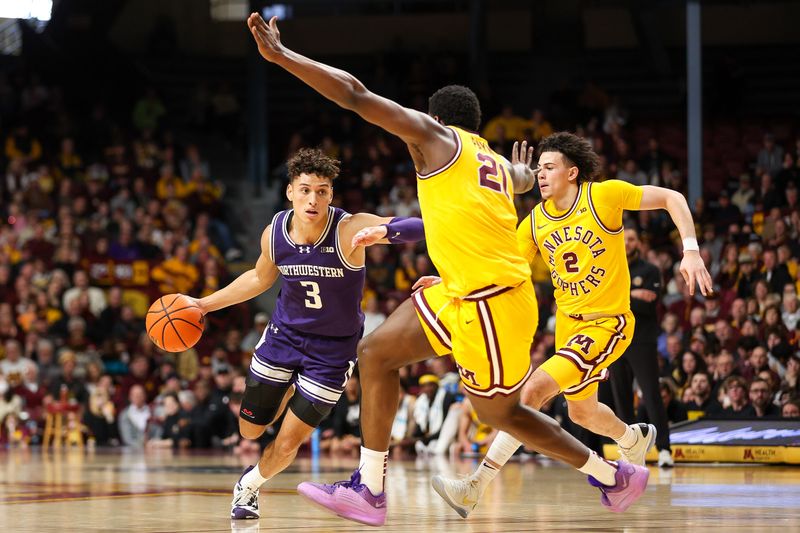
point(584, 351)
point(489, 332)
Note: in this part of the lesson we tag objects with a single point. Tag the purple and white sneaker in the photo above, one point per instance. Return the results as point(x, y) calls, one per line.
point(349, 499)
point(631, 480)
point(245, 500)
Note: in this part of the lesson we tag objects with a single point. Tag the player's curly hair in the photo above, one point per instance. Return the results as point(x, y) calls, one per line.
point(576, 150)
point(456, 105)
point(312, 161)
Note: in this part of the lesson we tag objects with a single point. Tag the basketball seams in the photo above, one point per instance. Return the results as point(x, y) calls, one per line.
point(167, 313)
point(188, 322)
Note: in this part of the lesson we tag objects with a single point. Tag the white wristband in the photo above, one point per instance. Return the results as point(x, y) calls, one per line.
point(690, 245)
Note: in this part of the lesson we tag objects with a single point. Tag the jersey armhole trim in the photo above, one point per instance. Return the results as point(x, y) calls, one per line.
point(347, 264)
point(597, 217)
point(448, 165)
point(533, 227)
point(272, 237)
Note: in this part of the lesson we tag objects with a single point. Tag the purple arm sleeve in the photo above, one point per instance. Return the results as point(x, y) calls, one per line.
point(405, 229)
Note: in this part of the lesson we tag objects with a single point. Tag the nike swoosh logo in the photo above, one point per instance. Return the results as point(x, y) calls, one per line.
point(540, 227)
point(470, 321)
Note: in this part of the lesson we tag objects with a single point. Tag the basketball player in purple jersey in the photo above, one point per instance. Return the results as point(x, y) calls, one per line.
point(308, 350)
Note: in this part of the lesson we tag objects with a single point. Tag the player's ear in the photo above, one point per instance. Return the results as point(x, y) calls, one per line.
point(573, 173)
point(289, 192)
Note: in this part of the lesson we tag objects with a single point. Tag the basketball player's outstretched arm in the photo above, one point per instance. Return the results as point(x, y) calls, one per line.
point(430, 143)
point(693, 268)
point(365, 229)
point(248, 285)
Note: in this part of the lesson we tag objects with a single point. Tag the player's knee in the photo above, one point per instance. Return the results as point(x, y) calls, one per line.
point(579, 415)
point(287, 446)
point(369, 360)
point(531, 397)
point(250, 431)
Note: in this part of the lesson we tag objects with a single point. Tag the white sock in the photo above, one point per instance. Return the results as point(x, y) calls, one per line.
point(373, 469)
point(600, 469)
point(499, 453)
point(628, 439)
point(253, 478)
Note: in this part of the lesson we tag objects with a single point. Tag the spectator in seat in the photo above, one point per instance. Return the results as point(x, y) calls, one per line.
point(97, 299)
point(791, 409)
point(745, 284)
point(743, 198)
point(726, 213)
point(431, 410)
point(177, 274)
point(173, 430)
point(134, 419)
point(14, 365)
point(21, 145)
point(736, 400)
point(702, 399)
point(344, 435)
point(252, 337)
point(761, 399)
point(776, 275)
point(770, 157)
point(99, 418)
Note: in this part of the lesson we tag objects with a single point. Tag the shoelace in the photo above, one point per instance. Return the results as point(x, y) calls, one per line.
point(250, 495)
point(354, 482)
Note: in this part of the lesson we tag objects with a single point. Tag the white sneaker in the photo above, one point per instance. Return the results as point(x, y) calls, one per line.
point(245, 500)
point(460, 494)
point(665, 459)
point(645, 439)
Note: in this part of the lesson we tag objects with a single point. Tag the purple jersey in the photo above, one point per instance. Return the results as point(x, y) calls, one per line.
point(321, 291)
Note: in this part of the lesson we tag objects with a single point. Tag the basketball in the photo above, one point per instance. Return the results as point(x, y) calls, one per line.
point(174, 323)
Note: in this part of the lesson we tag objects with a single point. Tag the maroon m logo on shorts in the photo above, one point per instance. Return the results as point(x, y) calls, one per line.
point(583, 341)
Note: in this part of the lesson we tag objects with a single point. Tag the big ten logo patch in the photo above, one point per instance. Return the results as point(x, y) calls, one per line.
point(467, 375)
point(584, 342)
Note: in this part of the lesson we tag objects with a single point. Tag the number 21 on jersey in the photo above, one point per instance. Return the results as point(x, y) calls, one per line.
point(313, 301)
point(491, 175)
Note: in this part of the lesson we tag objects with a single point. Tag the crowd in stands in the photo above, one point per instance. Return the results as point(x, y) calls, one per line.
point(102, 216)
point(99, 216)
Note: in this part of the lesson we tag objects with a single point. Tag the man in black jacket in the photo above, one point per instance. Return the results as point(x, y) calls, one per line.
point(640, 360)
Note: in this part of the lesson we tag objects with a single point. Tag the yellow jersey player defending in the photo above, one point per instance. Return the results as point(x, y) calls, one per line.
point(578, 230)
point(484, 312)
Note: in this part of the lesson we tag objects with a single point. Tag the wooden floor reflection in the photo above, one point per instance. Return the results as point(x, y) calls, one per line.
point(161, 492)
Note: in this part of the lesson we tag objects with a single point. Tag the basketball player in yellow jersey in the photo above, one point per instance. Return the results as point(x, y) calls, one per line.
point(484, 312)
point(578, 230)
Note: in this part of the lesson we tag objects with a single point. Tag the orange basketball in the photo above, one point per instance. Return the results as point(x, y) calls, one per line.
point(174, 323)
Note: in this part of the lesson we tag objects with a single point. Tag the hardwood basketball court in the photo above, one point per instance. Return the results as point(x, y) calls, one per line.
point(71, 490)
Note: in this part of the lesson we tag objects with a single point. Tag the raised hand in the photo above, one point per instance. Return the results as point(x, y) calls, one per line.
point(267, 36)
point(693, 270)
point(369, 236)
point(520, 153)
point(426, 281)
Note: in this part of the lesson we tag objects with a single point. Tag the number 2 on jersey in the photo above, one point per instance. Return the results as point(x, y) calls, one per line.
point(570, 260)
point(313, 301)
point(488, 174)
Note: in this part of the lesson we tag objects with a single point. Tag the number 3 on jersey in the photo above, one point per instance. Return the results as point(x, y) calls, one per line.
point(313, 301)
point(488, 174)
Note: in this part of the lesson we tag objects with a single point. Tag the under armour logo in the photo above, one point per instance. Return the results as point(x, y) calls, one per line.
point(273, 329)
point(304, 249)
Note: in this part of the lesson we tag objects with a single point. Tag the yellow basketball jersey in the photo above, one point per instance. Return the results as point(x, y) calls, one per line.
point(584, 247)
point(470, 220)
